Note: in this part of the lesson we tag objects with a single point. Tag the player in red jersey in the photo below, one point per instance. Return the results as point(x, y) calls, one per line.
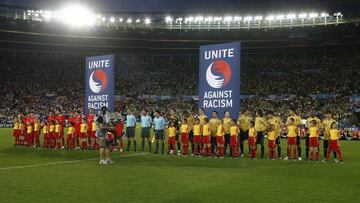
point(77, 121)
point(90, 120)
point(61, 119)
point(119, 132)
point(50, 117)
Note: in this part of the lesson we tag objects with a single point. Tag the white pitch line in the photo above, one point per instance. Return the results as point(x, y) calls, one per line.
point(60, 162)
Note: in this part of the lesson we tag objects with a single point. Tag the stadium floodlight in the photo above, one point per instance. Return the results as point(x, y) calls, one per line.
point(199, 18)
point(209, 19)
point(313, 15)
point(48, 15)
point(112, 19)
point(76, 15)
point(302, 15)
point(291, 16)
point(248, 18)
point(270, 18)
point(168, 19)
point(280, 17)
point(98, 16)
point(228, 19)
point(137, 20)
point(324, 15)
point(189, 19)
point(338, 14)
point(103, 19)
point(147, 21)
point(217, 19)
point(179, 20)
point(121, 20)
point(129, 21)
point(237, 18)
point(258, 18)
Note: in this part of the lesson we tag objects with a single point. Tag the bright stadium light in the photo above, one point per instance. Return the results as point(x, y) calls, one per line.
point(103, 19)
point(189, 19)
point(248, 18)
point(147, 21)
point(302, 15)
point(324, 15)
point(209, 19)
point(76, 15)
point(280, 17)
point(217, 19)
point(270, 18)
point(112, 19)
point(168, 19)
point(291, 16)
point(228, 19)
point(129, 21)
point(338, 14)
point(313, 15)
point(137, 20)
point(258, 18)
point(179, 19)
point(48, 15)
point(199, 18)
point(237, 18)
point(121, 20)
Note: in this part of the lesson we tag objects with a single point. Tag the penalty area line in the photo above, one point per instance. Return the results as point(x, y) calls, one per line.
point(60, 162)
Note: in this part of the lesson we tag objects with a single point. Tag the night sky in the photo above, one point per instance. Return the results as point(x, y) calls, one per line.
point(194, 6)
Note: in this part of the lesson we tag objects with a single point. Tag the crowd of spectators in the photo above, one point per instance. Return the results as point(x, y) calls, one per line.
point(42, 81)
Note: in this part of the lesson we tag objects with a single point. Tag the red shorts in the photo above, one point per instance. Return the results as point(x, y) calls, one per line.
point(184, 137)
point(197, 139)
point(92, 134)
point(251, 140)
point(16, 133)
point(70, 137)
point(57, 135)
point(46, 136)
point(233, 140)
point(220, 139)
point(36, 135)
point(271, 144)
point(206, 139)
point(313, 142)
point(83, 135)
point(118, 135)
point(29, 135)
point(334, 145)
point(171, 140)
point(52, 135)
point(291, 140)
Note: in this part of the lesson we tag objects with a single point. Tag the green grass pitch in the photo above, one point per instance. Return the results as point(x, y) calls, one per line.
point(38, 175)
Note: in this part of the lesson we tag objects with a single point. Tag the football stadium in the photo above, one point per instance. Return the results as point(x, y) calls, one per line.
point(179, 101)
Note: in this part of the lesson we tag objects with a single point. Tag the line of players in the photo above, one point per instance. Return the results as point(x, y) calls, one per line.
point(206, 136)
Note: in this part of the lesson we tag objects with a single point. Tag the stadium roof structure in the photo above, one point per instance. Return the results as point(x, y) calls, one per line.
point(79, 16)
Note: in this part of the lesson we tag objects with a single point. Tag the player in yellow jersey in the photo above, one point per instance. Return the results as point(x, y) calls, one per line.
point(206, 138)
point(29, 134)
point(197, 136)
point(326, 127)
point(271, 136)
point(214, 123)
point(334, 142)
point(311, 118)
point(21, 132)
point(313, 130)
point(16, 131)
point(252, 140)
point(57, 134)
point(36, 133)
point(260, 126)
point(276, 121)
point(52, 134)
point(244, 124)
point(293, 132)
point(201, 116)
point(171, 138)
point(70, 139)
point(45, 134)
point(297, 122)
point(184, 133)
point(226, 126)
point(234, 140)
point(220, 140)
point(83, 133)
